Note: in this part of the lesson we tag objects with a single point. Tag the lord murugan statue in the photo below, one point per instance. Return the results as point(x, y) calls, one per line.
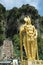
point(28, 38)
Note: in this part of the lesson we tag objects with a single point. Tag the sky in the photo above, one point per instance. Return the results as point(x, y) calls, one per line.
point(9, 4)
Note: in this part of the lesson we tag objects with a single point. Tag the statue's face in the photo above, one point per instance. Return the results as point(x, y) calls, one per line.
point(27, 20)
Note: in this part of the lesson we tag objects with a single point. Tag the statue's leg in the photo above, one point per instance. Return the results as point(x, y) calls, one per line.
point(37, 57)
point(29, 49)
point(34, 49)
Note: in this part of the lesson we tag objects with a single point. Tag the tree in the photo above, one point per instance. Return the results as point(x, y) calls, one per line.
point(2, 23)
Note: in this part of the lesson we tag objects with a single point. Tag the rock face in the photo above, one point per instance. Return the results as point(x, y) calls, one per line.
point(7, 49)
point(0, 52)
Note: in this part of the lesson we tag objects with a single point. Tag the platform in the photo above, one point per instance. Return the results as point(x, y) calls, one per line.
point(33, 62)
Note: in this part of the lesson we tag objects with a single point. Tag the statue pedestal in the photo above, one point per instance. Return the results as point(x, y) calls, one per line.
point(29, 62)
point(32, 62)
point(35, 62)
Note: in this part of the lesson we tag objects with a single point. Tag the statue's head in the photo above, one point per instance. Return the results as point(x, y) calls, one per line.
point(27, 20)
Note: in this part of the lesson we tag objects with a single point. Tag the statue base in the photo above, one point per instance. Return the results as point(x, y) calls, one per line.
point(32, 62)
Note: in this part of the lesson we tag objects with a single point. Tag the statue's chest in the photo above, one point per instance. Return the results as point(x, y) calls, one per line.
point(29, 29)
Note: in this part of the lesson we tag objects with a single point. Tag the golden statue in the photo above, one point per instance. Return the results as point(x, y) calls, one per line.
point(28, 36)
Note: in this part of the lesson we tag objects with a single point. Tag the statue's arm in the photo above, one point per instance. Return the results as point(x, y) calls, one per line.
point(21, 32)
point(35, 33)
